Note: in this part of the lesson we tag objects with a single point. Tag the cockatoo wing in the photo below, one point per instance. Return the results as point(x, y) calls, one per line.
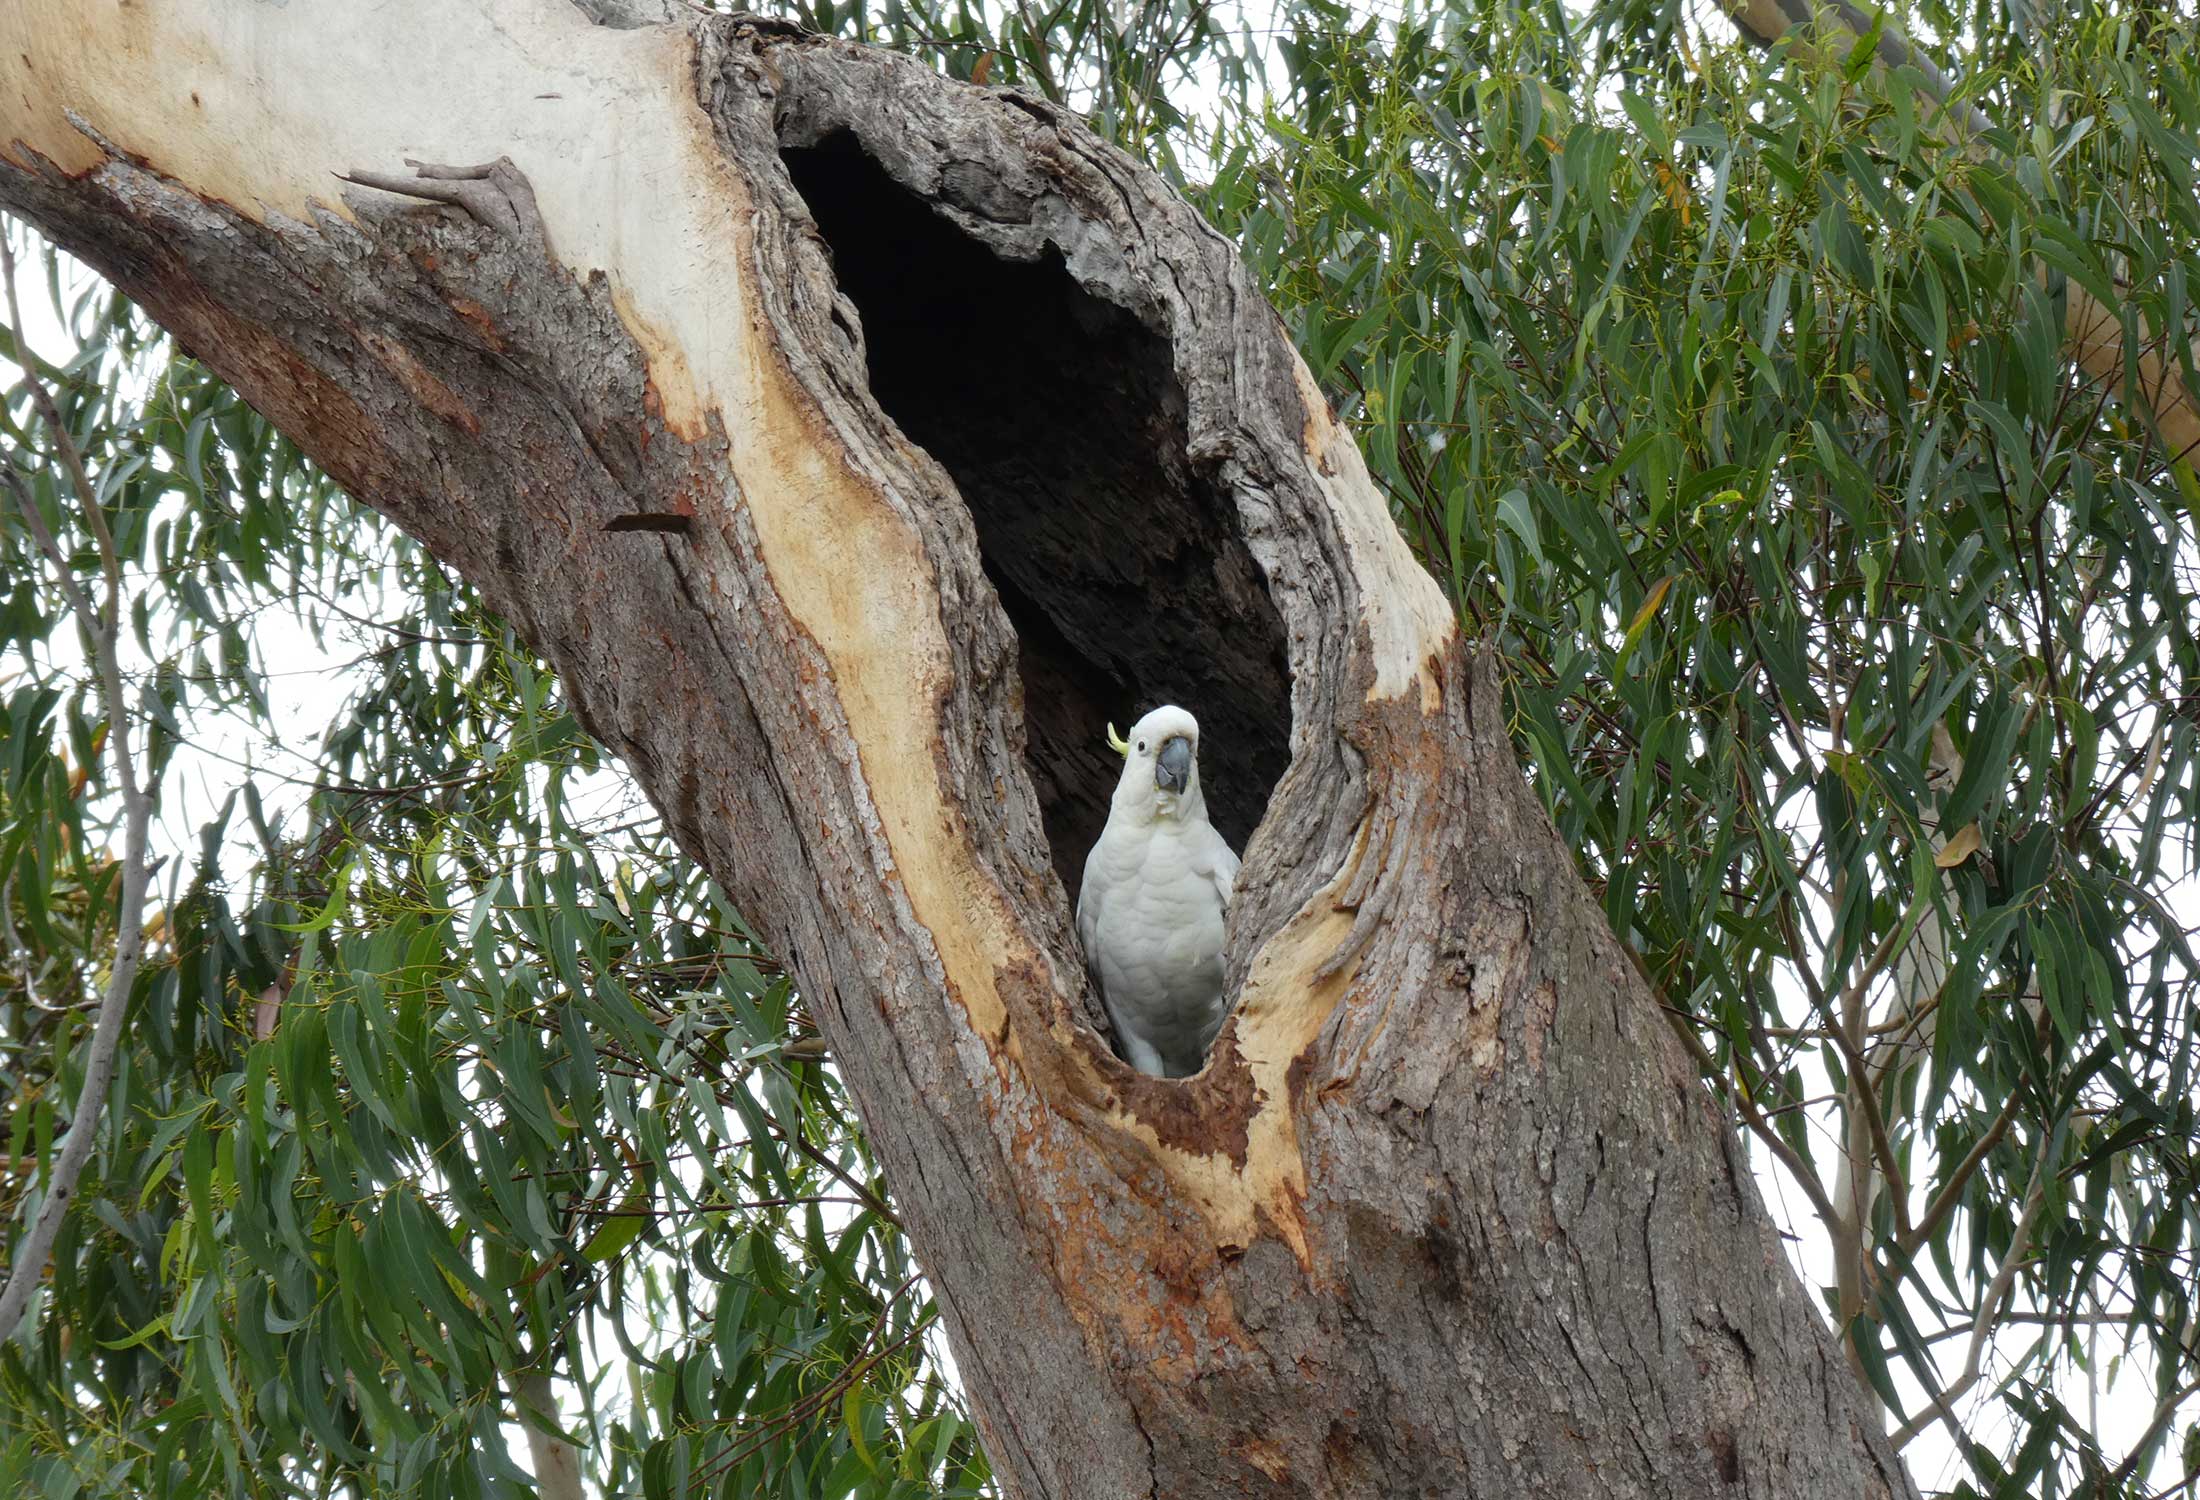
point(1119, 997)
point(1219, 864)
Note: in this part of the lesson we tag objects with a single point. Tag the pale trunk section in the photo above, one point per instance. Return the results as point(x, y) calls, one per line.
point(556, 1467)
point(856, 443)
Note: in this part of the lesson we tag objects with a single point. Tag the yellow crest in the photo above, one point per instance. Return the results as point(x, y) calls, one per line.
point(1117, 743)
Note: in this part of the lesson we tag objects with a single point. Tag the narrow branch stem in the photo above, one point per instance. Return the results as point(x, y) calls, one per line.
point(1983, 1325)
point(28, 1264)
point(2162, 1416)
point(1952, 1190)
point(1759, 1125)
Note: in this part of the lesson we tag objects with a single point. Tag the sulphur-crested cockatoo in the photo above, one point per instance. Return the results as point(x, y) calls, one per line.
point(1157, 886)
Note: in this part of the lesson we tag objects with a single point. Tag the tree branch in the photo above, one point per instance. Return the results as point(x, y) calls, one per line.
point(555, 1461)
point(2147, 1439)
point(1983, 1325)
point(495, 193)
point(1759, 1124)
point(864, 690)
point(99, 626)
point(1952, 1189)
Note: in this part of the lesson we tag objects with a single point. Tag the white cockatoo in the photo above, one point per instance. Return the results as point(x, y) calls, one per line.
point(1157, 886)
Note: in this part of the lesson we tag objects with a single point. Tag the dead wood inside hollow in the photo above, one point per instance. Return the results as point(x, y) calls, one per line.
point(1061, 420)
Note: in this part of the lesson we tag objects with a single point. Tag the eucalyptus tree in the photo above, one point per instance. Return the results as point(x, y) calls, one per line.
point(1840, 587)
point(440, 1049)
point(1781, 436)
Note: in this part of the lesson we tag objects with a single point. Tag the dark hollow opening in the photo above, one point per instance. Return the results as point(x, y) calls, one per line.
point(1060, 417)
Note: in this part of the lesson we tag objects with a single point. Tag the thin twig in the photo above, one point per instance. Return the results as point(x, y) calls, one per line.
point(1952, 1190)
point(1864, 1100)
point(2162, 1416)
point(1988, 1318)
point(1763, 1129)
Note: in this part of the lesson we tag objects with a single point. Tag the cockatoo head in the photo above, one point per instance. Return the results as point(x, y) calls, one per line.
point(1160, 765)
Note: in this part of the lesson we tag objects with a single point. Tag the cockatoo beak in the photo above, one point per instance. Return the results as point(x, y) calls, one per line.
point(1172, 768)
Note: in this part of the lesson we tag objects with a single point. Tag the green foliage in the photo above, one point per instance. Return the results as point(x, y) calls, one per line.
point(1732, 404)
point(444, 1070)
point(1850, 631)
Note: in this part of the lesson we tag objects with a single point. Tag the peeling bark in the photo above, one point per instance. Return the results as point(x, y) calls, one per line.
point(976, 435)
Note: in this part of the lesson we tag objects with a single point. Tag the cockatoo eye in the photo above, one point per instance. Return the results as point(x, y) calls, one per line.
point(1141, 747)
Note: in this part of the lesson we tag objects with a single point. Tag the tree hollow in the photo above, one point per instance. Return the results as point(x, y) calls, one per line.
point(1059, 415)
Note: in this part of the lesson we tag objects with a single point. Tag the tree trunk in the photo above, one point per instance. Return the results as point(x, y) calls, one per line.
point(856, 443)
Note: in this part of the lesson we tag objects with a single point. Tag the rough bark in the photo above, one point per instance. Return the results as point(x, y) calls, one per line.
point(854, 443)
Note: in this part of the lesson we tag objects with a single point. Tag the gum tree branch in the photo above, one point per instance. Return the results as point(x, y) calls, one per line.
point(99, 626)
